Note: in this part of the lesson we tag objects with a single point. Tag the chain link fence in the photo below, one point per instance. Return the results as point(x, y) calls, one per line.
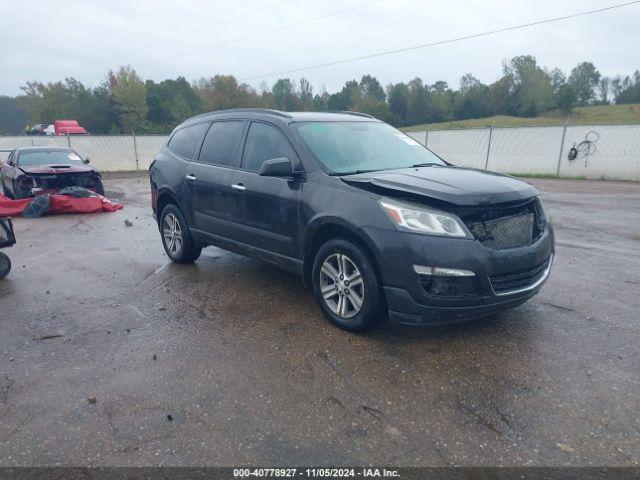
point(601, 151)
point(108, 153)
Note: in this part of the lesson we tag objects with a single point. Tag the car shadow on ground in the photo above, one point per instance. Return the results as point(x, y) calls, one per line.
point(261, 278)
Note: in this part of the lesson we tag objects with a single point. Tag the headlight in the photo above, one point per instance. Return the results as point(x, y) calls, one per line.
point(424, 220)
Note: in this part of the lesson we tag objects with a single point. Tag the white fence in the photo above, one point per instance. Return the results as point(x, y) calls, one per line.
point(109, 153)
point(614, 153)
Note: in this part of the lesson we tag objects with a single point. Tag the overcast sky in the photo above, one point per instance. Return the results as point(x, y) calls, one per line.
point(84, 38)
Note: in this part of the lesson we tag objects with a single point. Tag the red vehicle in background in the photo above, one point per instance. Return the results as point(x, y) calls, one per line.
point(68, 127)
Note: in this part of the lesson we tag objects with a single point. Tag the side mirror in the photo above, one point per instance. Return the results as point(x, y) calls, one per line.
point(10, 163)
point(86, 160)
point(277, 167)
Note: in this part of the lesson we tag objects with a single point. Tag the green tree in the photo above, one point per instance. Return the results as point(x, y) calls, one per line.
point(305, 95)
point(473, 100)
point(13, 117)
point(369, 97)
point(343, 99)
point(566, 98)
point(170, 102)
point(584, 79)
point(223, 92)
point(129, 97)
point(440, 98)
point(528, 87)
point(285, 96)
point(629, 89)
point(398, 98)
point(418, 103)
point(321, 101)
point(558, 78)
point(47, 102)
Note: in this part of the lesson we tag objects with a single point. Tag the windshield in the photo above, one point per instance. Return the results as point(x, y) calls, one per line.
point(353, 147)
point(49, 157)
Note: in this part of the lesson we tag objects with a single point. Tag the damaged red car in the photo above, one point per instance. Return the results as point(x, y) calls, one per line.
point(30, 171)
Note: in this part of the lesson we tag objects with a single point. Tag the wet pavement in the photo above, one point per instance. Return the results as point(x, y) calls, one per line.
point(111, 355)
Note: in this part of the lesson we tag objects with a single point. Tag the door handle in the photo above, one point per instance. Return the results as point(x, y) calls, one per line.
point(239, 187)
point(191, 178)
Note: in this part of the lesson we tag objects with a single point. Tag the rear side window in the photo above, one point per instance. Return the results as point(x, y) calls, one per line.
point(186, 141)
point(221, 143)
point(265, 142)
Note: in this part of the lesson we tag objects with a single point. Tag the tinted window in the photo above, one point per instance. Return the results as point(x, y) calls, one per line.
point(221, 143)
point(186, 140)
point(265, 142)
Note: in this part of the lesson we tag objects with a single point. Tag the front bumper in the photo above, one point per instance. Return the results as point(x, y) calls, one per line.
point(503, 278)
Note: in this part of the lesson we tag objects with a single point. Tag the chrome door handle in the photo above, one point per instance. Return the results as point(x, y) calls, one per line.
point(191, 178)
point(239, 187)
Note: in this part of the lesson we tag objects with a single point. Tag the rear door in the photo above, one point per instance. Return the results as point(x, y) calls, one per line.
point(183, 146)
point(210, 178)
point(268, 206)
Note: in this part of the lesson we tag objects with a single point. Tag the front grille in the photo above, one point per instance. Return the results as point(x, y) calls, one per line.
point(507, 282)
point(502, 227)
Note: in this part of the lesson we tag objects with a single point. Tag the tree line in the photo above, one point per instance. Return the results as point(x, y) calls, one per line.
point(124, 102)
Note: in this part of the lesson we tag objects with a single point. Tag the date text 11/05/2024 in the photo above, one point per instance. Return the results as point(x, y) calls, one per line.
point(315, 472)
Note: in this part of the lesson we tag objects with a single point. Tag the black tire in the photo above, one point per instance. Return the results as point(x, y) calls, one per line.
point(99, 187)
point(372, 305)
point(5, 265)
point(188, 251)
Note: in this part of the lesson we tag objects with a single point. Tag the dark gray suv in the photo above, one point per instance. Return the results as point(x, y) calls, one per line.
point(376, 223)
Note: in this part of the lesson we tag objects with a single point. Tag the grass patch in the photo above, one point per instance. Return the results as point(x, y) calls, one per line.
point(598, 115)
point(546, 175)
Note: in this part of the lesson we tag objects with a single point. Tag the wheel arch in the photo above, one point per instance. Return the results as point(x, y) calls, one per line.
point(165, 197)
point(323, 229)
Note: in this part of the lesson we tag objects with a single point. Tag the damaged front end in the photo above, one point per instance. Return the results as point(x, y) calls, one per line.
point(32, 184)
point(505, 226)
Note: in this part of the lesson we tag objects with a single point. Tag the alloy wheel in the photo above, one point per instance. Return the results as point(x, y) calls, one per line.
point(172, 234)
point(341, 285)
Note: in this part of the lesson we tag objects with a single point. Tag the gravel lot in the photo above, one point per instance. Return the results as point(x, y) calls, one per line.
point(110, 355)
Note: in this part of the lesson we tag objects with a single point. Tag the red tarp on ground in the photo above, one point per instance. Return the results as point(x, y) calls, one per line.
point(59, 204)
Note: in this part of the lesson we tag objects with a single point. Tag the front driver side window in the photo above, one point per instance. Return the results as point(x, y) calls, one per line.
point(265, 142)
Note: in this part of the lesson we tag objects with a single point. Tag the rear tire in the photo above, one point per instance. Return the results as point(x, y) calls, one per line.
point(5, 265)
point(176, 238)
point(346, 286)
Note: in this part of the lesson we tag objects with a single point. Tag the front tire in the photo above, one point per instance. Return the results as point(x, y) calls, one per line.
point(176, 238)
point(346, 286)
point(5, 265)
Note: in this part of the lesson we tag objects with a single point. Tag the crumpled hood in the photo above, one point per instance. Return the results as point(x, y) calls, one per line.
point(455, 185)
point(52, 170)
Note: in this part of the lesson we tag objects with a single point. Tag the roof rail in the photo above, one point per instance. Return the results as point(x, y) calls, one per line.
point(349, 112)
point(247, 110)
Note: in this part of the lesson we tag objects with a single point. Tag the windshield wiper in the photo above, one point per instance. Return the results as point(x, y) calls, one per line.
point(356, 172)
point(427, 165)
